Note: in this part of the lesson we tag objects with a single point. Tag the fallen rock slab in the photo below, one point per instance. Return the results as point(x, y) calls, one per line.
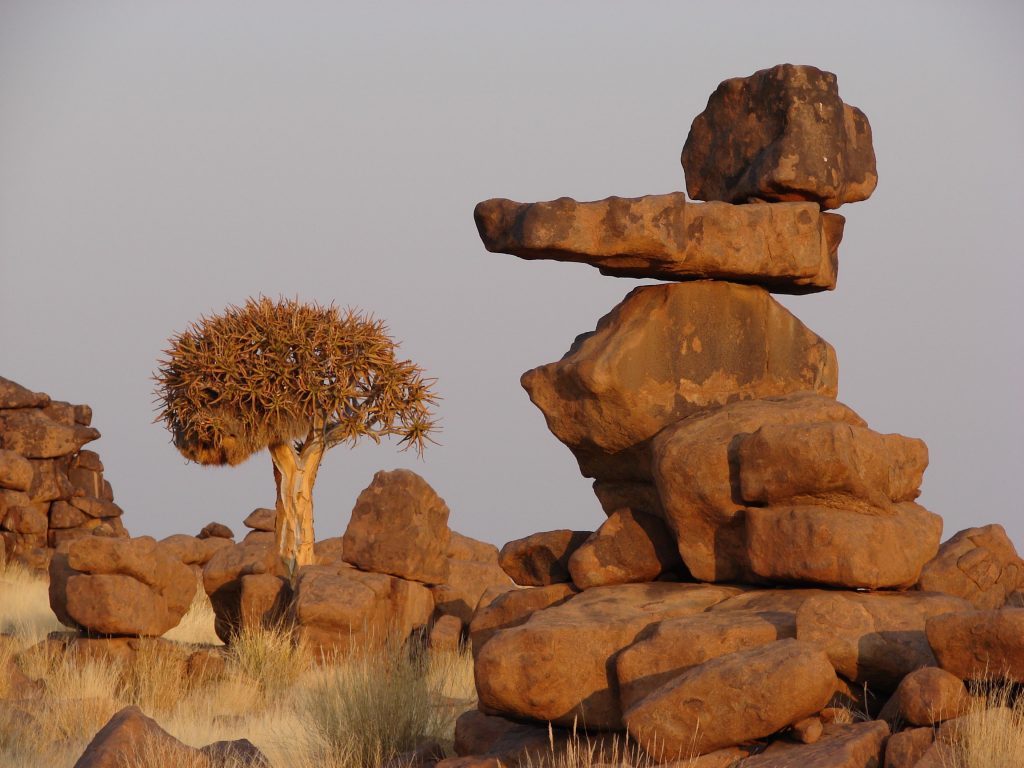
point(976, 645)
point(780, 134)
point(785, 247)
point(715, 705)
point(558, 665)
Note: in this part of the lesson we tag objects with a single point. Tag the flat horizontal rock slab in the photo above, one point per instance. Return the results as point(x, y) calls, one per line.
point(785, 247)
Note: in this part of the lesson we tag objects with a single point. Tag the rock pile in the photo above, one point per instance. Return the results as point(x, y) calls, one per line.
point(51, 490)
point(397, 570)
point(764, 565)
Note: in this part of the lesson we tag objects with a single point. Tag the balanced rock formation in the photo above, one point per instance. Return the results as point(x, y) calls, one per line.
point(764, 563)
point(51, 489)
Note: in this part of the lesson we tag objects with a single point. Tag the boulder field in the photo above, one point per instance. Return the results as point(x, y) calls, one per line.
point(764, 568)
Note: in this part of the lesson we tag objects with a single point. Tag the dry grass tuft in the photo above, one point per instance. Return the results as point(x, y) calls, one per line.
point(271, 692)
point(991, 735)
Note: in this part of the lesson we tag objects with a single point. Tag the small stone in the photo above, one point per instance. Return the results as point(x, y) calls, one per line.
point(856, 745)
point(446, 634)
point(808, 730)
point(904, 749)
point(215, 531)
point(261, 519)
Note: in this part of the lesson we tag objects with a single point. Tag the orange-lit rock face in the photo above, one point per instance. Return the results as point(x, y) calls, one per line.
point(785, 247)
point(667, 352)
point(780, 134)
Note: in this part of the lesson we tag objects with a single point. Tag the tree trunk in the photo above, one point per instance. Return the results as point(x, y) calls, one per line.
point(294, 475)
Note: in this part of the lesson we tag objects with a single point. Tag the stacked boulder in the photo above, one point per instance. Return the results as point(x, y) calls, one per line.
point(51, 490)
point(398, 570)
point(764, 566)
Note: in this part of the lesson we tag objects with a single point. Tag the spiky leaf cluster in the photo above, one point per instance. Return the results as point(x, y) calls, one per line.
point(281, 371)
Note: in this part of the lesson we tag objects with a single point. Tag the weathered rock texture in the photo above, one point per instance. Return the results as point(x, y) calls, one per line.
point(665, 353)
point(977, 564)
point(399, 526)
point(558, 666)
point(51, 489)
point(111, 586)
point(786, 247)
point(975, 645)
point(780, 134)
point(541, 558)
point(628, 547)
point(714, 705)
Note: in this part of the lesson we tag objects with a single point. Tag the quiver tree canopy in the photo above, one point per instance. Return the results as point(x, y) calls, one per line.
point(296, 378)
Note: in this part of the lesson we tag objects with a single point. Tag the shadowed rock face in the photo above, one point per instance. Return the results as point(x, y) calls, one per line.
point(785, 247)
point(780, 134)
point(667, 352)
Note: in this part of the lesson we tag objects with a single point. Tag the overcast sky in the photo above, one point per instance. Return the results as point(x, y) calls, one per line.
point(160, 160)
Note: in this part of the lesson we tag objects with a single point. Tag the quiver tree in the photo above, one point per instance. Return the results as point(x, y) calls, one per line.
point(295, 378)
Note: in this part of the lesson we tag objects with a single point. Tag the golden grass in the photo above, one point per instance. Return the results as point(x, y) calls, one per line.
point(271, 692)
point(991, 734)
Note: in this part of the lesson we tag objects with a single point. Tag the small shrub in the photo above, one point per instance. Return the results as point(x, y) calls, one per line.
point(268, 655)
point(374, 705)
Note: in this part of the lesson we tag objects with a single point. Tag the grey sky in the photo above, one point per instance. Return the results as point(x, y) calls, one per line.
point(160, 160)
